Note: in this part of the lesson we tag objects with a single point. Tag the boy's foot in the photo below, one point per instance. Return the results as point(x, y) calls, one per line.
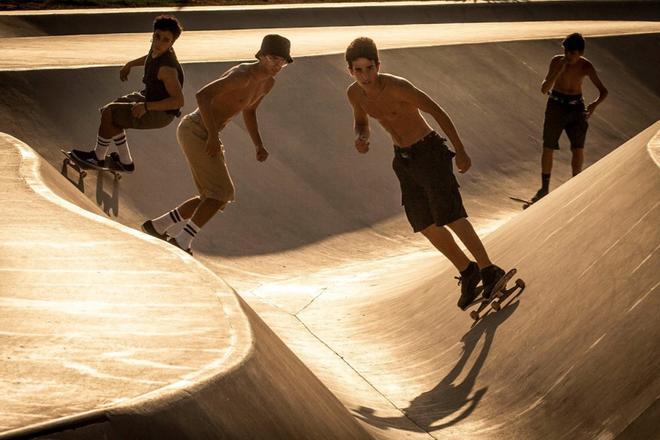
point(88, 157)
point(468, 281)
point(173, 242)
point(490, 276)
point(148, 228)
point(539, 195)
point(116, 161)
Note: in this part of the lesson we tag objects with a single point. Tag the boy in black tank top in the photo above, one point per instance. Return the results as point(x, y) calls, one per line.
point(154, 107)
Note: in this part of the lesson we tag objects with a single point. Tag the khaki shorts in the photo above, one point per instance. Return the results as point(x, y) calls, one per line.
point(209, 173)
point(122, 114)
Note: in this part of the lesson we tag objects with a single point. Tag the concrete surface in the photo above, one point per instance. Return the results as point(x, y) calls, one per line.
point(328, 261)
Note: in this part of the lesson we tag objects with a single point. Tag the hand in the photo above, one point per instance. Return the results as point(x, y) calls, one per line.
point(463, 162)
point(123, 73)
point(362, 144)
point(591, 108)
point(213, 145)
point(139, 109)
point(262, 154)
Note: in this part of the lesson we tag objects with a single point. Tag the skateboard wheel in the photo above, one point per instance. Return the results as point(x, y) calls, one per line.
point(520, 283)
point(474, 315)
point(496, 306)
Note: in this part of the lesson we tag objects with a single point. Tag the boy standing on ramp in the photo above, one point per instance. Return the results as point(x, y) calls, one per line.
point(565, 109)
point(154, 107)
point(422, 163)
point(239, 89)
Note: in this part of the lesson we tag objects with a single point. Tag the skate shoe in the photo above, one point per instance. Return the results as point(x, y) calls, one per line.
point(539, 195)
point(148, 228)
point(468, 281)
point(88, 157)
point(118, 165)
point(490, 276)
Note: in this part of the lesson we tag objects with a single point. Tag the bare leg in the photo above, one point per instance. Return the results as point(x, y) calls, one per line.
point(577, 160)
point(546, 160)
point(187, 208)
point(466, 233)
point(107, 129)
point(206, 209)
point(443, 241)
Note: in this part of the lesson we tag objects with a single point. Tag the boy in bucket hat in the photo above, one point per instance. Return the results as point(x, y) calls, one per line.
point(239, 89)
point(422, 163)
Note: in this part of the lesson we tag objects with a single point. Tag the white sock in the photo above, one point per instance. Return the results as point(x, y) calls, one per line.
point(167, 220)
point(187, 234)
point(122, 148)
point(102, 146)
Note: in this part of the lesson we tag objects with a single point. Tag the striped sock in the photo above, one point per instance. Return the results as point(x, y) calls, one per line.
point(102, 146)
point(122, 148)
point(187, 234)
point(167, 220)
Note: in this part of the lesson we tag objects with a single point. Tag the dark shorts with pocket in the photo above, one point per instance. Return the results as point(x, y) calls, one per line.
point(564, 112)
point(429, 190)
point(122, 114)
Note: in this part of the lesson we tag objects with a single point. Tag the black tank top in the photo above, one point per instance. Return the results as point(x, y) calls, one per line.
point(154, 88)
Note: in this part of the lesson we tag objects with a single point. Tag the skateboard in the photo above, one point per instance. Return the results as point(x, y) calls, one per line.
point(499, 295)
point(82, 167)
point(526, 203)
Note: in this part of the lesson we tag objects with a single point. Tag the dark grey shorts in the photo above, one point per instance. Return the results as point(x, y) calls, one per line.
point(122, 116)
point(559, 117)
point(429, 189)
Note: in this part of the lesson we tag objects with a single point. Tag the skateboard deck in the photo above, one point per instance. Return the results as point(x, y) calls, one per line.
point(499, 295)
point(526, 203)
point(81, 167)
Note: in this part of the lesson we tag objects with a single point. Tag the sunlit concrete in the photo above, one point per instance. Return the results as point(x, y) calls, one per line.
point(206, 46)
point(365, 304)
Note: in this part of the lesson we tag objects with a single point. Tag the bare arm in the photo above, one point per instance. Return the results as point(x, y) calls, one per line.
point(361, 122)
point(250, 119)
point(170, 78)
point(423, 102)
point(602, 90)
point(557, 66)
point(123, 73)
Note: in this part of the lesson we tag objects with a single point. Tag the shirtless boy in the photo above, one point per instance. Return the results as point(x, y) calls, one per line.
point(154, 107)
point(422, 163)
point(239, 89)
point(565, 109)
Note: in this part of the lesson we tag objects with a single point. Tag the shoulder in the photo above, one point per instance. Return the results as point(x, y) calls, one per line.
point(398, 86)
point(169, 59)
point(238, 75)
point(353, 91)
point(586, 64)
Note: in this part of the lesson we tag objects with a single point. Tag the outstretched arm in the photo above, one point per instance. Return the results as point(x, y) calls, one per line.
point(423, 102)
point(602, 91)
point(361, 122)
point(123, 73)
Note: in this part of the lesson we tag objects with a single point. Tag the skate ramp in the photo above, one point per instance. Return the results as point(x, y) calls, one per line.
point(317, 245)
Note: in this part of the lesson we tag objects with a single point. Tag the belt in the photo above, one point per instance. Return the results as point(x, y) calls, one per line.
point(566, 100)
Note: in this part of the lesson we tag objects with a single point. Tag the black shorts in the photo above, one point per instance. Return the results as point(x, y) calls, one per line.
point(564, 112)
point(429, 190)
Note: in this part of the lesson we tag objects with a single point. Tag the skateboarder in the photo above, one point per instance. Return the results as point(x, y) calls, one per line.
point(154, 107)
point(422, 163)
point(565, 109)
point(239, 89)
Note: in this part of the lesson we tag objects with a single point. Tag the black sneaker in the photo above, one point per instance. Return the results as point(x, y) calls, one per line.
point(539, 195)
point(118, 165)
point(173, 242)
point(148, 228)
point(490, 276)
point(88, 157)
point(468, 281)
